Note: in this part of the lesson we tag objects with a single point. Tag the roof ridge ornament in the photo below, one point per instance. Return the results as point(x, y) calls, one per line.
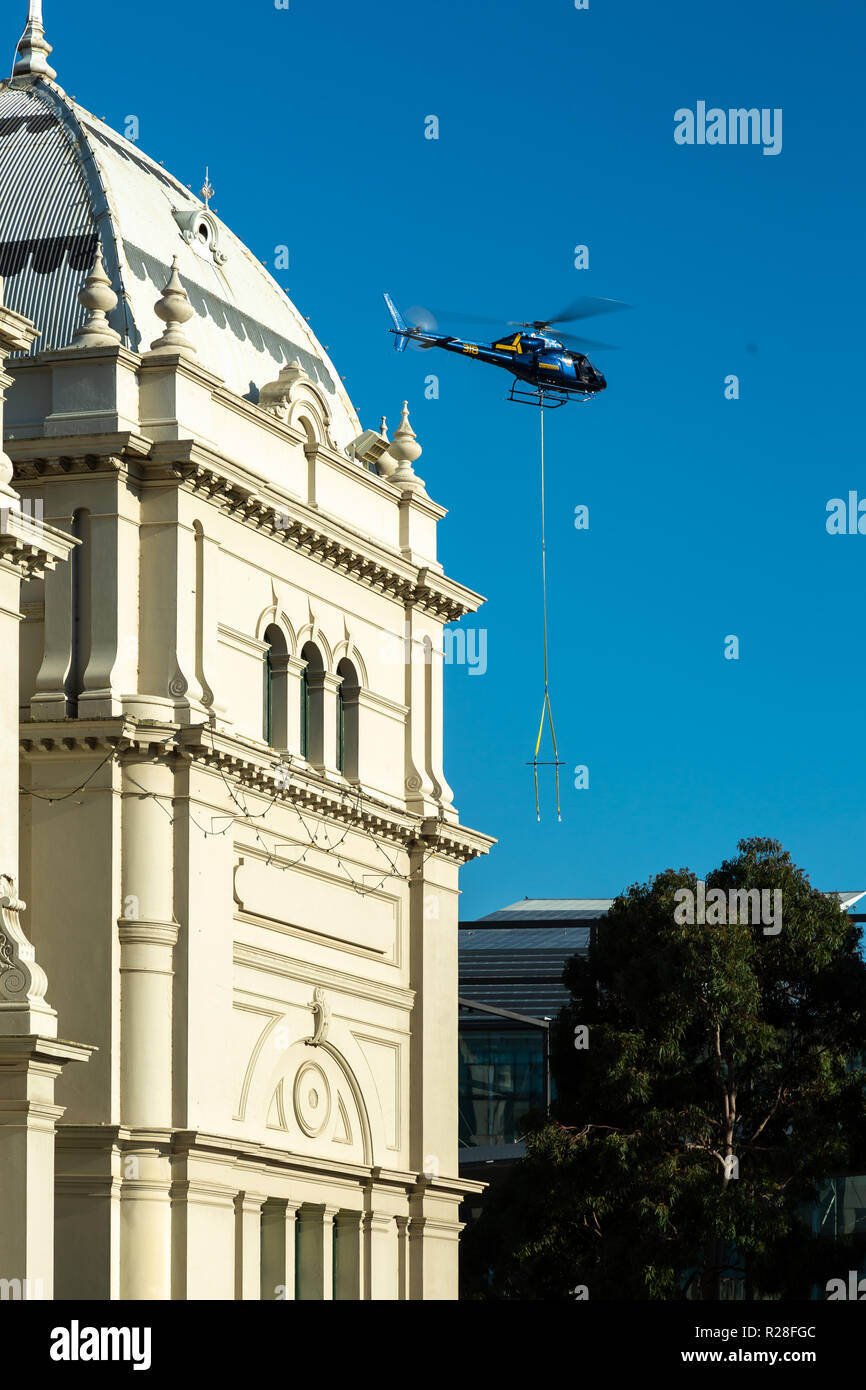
point(33, 49)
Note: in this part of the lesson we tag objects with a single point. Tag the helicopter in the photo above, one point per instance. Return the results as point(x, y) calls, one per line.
point(548, 369)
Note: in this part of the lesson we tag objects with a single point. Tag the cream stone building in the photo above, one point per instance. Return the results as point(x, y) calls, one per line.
point(238, 850)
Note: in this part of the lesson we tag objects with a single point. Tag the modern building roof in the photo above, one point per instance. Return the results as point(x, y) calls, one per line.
point(848, 900)
point(551, 910)
point(67, 180)
point(514, 958)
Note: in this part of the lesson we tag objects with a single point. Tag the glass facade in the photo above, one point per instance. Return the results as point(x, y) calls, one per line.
point(841, 1208)
point(501, 1080)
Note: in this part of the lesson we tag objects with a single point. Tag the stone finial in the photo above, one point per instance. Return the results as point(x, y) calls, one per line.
point(386, 464)
point(405, 449)
point(97, 296)
point(174, 308)
point(33, 50)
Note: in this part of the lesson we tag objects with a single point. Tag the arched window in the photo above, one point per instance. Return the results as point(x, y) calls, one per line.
point(347, 719)
point(341, 728)
point(275, 701)
point(305, 715)
point(312, 705)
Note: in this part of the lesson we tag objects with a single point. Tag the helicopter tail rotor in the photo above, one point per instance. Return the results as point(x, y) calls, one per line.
point(406, 326)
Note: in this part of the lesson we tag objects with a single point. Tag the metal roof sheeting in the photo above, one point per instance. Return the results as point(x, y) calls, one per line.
point(66, 177)
point(532, 939)
point(43, 199)
point(551, 910)
point(514, 958)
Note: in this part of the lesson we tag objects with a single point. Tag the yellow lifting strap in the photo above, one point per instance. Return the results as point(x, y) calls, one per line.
point(545, 705)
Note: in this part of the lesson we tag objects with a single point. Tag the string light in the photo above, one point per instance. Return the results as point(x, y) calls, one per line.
point(249, 816)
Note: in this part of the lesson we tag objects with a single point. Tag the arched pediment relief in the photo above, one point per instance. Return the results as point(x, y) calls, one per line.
point(347, 651)
point(274, 614)
point(306, 416)
point(311, 1099)
point(311, 632)
point(295, 399)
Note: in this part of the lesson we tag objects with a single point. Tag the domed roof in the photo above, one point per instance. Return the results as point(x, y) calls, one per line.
point(67, 179)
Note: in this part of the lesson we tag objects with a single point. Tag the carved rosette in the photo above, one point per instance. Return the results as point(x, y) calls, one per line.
point(311, 1096)
point(22, 980)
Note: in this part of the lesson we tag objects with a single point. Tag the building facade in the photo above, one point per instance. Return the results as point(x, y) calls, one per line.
point(238, 846)
point(511, 964)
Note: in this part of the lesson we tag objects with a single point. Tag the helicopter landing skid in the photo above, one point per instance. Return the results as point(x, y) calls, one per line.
point(547, 397)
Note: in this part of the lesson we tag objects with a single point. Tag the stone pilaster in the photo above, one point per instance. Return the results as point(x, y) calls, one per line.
point(278, 1275)
point(249, 1249)
point(420, 789)
point(145, 1222)
point(148, 935)
point(29, 1067)
point(402, 1257)
point(382, 1256)
point(316, 1253)
point(349, 1264)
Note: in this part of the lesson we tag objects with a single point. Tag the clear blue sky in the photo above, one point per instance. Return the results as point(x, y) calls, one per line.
point(707, 516)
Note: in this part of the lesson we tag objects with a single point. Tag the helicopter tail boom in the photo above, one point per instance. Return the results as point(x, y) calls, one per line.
point(401, 327)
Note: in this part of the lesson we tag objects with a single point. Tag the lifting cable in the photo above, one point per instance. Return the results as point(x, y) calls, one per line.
point(545, 705)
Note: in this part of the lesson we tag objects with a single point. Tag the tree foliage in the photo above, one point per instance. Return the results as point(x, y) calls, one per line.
point(721, 1084)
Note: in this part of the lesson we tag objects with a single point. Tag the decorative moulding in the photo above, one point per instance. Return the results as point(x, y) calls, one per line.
point(23, 982)
point(321, 1017)
point(201, 230)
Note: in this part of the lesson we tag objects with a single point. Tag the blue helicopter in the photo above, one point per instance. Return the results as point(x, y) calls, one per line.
point(548, 369)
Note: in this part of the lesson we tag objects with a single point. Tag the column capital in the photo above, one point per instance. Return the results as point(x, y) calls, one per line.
point(349, 1218)
point(250, 1202)
point(316, 1211)
point(379, 1221)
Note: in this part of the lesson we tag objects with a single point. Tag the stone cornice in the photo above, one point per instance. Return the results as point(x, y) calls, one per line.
point(74, 356)
point(37, 460)
point(251, 500)
point(242, 642)
point(246, 1154)
point(31, 546)
point(36, 1048)
point(255, 770)
point(314, 533)
point(16, 331)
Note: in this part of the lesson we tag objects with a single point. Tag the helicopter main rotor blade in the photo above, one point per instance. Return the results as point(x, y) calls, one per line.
point(588, 307)
point(569, 340)
point(446, 316)
point(583, 308)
